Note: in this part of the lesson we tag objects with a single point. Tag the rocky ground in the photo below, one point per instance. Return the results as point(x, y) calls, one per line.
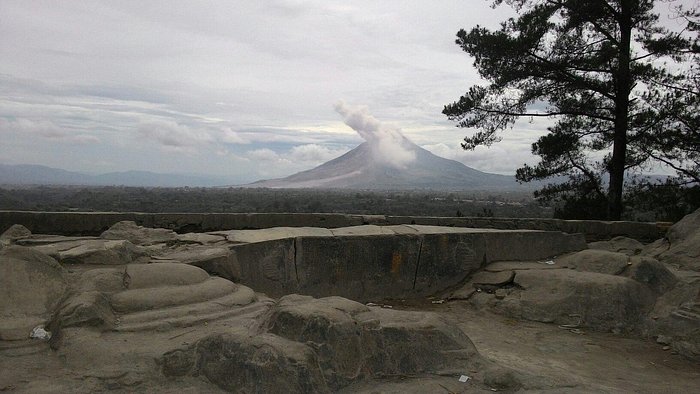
point(135, 310)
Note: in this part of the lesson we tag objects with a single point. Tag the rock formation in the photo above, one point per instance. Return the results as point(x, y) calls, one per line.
point(153, 310)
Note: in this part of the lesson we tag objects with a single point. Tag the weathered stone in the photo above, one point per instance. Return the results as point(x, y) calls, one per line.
point(353, 341)
point(269, 267)
point(201, 238)
point(217, 260)
point(363, 268)
point(493, 278)
point(102, 252)
point(593, 300)
point(681, 248)
point(103, 280)
point(140, 276)
point(32, 285)
point(502, 379)
point(362, 230)
point(619, 244)
point(86, 309)
point(166, 296)
point(262, 363)
point(676, 319)
point(15, 232)
point(139, 235)
point(500, 266)
point(592, 260)
point(652, 273)
point(275, 233)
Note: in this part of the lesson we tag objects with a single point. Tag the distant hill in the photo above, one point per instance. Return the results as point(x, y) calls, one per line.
point(27, 174)
point(361, 169)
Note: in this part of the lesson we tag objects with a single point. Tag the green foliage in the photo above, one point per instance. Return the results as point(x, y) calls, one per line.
point(667, 201)
point(598, 69)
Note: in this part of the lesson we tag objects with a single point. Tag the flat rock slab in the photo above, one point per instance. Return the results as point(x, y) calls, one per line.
point(275, 233)
point(201, 238)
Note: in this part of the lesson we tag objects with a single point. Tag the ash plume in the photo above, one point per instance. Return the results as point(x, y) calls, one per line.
point(388, 144)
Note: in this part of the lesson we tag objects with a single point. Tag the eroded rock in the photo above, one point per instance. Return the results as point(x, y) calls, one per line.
point(620, 244)
point(593, 260)
point(32, 285)
point(138, 235)
point(586, 299)
point(15, 232)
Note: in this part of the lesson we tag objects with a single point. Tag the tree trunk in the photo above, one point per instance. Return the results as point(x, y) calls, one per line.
point(623, 85)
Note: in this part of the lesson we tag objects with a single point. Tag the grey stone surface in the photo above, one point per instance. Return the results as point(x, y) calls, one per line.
point(586, 299)
point(619, 244)
point(32, 285)
point(357, 267)
point(140, 276)
point(216, 260)
point(593, 260)
point(652, 273)
point(681, 247)
point(264, 363)
point(167, 296)
point(139, 235)
point(15, 232)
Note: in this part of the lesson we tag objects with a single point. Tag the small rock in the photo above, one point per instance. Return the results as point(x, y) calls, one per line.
point(663, 340)
point(666, 348)
point(501, 293)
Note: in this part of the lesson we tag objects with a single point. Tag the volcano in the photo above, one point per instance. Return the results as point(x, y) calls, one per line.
point(362, 168)
point(387, 160)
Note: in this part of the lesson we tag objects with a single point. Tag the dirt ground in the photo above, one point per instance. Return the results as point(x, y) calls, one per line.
point(546, 357)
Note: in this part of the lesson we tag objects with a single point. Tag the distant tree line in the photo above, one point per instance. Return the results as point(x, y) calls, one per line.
point(240, 200)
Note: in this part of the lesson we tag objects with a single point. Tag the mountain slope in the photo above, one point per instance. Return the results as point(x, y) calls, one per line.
point(27, 174)
point(360, 169)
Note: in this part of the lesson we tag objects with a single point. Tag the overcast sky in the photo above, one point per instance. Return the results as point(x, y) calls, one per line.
point(245, 89)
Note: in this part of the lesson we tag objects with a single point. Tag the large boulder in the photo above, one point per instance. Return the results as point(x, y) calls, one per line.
point(593, 260)
point(675, 320)
point(579, 299)
point(652, 273)
point(354, 341)
point(139, 235)
point(321, 345)
point(32, 285)
point(681, 247)
point(15, 232)
point(216, 260)
point(243, 363)
point(620, 244)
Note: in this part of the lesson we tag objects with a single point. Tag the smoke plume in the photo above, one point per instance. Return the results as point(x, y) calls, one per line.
point(388, 144)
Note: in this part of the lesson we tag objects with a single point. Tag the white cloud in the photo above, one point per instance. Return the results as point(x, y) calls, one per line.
point(313, 153)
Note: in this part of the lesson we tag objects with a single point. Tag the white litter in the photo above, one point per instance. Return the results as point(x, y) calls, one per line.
point(464, 378)
point(548, 262)
point(439, 302)
point(38, 332)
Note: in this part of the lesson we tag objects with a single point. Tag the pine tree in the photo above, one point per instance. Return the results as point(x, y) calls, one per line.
point(600, 69)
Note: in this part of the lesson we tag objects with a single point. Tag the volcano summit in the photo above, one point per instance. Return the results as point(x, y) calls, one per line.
point(387, 160)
